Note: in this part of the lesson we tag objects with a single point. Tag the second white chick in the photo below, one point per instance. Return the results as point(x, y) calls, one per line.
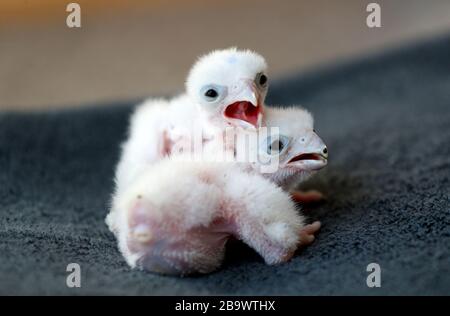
point(297, 149)
point(178, 215)
point(300, 151)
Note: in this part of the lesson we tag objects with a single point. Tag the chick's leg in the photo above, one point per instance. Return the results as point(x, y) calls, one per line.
point(267, 219)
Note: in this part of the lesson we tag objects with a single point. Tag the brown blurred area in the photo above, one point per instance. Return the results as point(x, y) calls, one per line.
point(131, 49)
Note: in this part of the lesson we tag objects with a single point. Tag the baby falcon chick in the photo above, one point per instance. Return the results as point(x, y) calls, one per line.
point(230, 86)
point(224, 88)
point(297, 149)
point(301, 152)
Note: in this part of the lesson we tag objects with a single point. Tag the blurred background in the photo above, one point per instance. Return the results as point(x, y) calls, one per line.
point(131, 49)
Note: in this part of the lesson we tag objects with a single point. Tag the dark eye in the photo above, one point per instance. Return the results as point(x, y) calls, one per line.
point(211, 93)
point(275, 147)
point(278, 145)
point(263, 80)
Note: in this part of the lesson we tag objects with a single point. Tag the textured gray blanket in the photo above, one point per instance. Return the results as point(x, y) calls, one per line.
point(386, 121)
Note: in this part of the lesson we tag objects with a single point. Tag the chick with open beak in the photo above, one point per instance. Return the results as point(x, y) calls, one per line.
point(225, 88)
point(297, 148)
point(298, 156)
point(230, 87)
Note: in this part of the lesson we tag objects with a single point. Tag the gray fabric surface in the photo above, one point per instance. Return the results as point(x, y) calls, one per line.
point(386, 121)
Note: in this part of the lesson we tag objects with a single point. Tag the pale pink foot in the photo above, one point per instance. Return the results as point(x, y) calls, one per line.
point(311, 196)
point(306, 238)
point(307, 233)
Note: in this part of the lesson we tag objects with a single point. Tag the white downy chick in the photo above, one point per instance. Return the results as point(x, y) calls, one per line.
point(297, 150)
point(224, 88)
point(300, 151)
point(177, 216)
point(230, 86)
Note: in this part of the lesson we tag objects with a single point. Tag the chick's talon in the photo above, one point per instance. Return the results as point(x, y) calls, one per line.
point(310, 196)
point(307, 233)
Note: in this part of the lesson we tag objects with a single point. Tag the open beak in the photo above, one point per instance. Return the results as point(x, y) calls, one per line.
point(246, 111)
point(309, 153)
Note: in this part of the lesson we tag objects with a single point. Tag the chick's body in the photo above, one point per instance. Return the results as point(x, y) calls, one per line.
point(177, 216)
point(159, 128)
